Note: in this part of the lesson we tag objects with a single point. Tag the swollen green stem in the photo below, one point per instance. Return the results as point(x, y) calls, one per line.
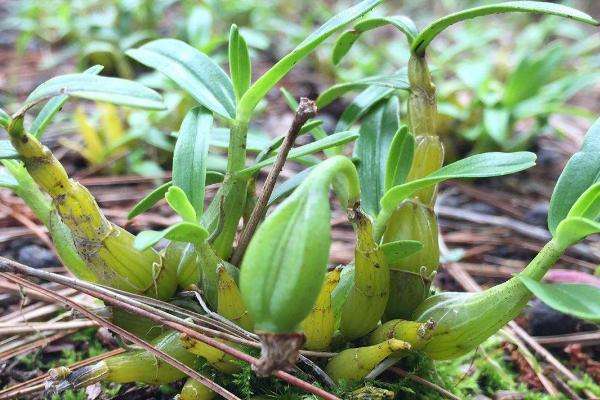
point(422, 105)
point(464, 320)
point(410, 279)
point(39, 203)
point(229, 201)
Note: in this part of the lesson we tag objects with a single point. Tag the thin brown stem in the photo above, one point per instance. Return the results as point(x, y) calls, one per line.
point(126, 335)
point(306, 110)
point(161, 317)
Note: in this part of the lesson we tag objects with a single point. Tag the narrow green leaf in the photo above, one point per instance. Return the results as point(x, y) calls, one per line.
point(317, 132)
point(7, 151)
point(288, 186)
point(496, 124)
point(478, 166)
point(150, 200)
point(240, 67)
point(574, 229)
point(581, 172)
point(53, 106)
point(192, 70)
point(158, 194)
point(348, 38)
point(191, 154)
point(97, 88)
point(342, 291)
point(421, 42)
point(398, 80)
point(588, 204)
point(181, 232)
point(179, 202)
point(376, 134)
point(361, 105)
point(399, 159)
point(394, 251)
point(579, 300)
point(266, 82)
point(330, 141)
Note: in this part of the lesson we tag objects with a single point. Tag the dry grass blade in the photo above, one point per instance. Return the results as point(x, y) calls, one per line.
point(29, 327)
point(418, 379)
point(155, 315)
point(126, 335)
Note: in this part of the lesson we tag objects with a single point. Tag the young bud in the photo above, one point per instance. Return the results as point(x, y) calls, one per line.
point(355, 364)
point(138, 366)
point(417, 334)
point(183, 258)
point(410, 277)
point(367, 300)
point(284, 266)
point(215, 357)
point(319, 326)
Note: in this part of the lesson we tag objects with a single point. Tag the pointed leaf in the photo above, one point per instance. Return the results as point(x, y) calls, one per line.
point(376, 134)
point(574, 229)
point(579, 300)
point(421, 42)
point(581, 172)
point(97, 88)
point(158, 194)
point(588, 204)
point(477, 166)
point(192, 70)
point(361, 105)
point(314, 147)
point(496, 124)
point(180, 204)
point(348, 38)
point(191, 154)
point(397, 81)
point(240, 67)
point(394, 251)
point(288, 186)
point(399, 159)
point(266, 82)
point(181, 232)
point(53, 106)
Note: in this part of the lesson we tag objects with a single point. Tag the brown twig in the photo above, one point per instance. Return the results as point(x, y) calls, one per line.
point(156, 315)
point(306, 110)
point(126, 335)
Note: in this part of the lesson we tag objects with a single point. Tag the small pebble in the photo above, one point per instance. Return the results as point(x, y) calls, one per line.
point(538, 214)
point(36, 256)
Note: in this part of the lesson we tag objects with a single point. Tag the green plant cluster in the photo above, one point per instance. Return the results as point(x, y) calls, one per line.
point(274, 279)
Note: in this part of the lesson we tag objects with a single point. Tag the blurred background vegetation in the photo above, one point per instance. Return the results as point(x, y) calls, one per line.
point(500, 95)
